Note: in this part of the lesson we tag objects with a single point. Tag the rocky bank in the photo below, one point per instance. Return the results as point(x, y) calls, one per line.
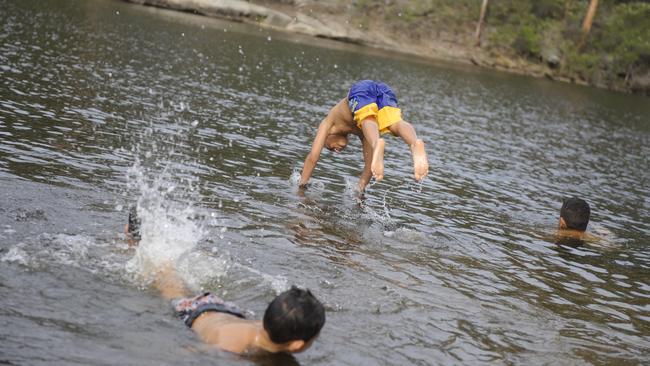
point(334, 19)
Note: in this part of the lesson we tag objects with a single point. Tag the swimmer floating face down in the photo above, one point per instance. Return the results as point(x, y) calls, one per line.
point(291, 323)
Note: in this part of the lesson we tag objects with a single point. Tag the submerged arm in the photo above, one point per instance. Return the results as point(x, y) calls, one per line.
point(316, 148)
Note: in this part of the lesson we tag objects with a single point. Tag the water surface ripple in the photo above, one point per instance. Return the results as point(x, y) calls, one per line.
point(462, 269)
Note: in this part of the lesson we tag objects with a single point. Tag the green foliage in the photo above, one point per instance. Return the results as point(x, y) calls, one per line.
point(619, 40)
point(528, 41)
point(503, 36)
point(581, 65)
point(548, 9)
point(509, 12)
point(619, 44)
point(626, 35)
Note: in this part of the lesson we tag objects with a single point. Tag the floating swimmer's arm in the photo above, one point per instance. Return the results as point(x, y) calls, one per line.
point(367, 160)
point(316, 148)
point(167, 281)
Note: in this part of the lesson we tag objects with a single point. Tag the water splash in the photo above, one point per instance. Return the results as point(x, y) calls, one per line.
point(405, 234)
point(174, 227)
point(294, 180)
point(165, 192)
point(85, 252)
point(198, 269)
point(15, 255)
point(351, 189)
point(169, 226)
point(277, 283)
point(381, 216)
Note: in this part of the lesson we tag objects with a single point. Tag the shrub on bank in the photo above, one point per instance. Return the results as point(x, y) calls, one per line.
point(616, 51)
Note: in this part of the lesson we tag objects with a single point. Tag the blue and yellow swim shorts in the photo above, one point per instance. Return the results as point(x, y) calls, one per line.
point(369, 98)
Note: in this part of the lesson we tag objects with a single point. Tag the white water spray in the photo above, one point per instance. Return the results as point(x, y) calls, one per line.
point(169, 227)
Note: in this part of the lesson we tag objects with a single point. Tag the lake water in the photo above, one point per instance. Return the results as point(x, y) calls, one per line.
point(203, 124)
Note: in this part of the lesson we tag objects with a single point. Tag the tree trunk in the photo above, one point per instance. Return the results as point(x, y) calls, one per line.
point(479, 26)
point(586, 24)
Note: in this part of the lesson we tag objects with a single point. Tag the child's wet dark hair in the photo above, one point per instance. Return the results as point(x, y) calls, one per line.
point(295, 314)
point(134, 223)
point(575, 212)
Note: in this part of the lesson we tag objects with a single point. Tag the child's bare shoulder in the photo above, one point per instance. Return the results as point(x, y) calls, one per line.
point(341, 113)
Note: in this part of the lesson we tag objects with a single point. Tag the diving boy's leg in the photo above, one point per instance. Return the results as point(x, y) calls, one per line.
point(370, 131)
point(406, 131)
point(364, 179)
point(377, 166)
point(420, 162)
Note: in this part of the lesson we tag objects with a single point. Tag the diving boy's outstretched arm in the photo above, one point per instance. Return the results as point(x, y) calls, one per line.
point(316, 148)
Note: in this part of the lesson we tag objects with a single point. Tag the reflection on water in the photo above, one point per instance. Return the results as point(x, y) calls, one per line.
point(201, 123)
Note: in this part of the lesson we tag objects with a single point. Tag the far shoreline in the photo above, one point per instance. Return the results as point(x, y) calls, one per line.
point(320, 24)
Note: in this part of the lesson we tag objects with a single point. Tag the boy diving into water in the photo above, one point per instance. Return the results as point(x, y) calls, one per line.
point(291, 322)
point(369, 111)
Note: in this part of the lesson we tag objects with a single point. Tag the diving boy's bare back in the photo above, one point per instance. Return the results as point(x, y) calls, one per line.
point(370, 109)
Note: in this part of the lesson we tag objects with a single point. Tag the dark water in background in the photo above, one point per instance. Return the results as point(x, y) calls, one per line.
point(202, 123)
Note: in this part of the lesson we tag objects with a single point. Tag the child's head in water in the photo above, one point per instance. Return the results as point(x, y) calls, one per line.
point(294, 318)
point(574, 214)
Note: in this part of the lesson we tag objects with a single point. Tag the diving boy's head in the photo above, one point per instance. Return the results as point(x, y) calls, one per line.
point(336, 142)
point(294, 319)
point(574, 214)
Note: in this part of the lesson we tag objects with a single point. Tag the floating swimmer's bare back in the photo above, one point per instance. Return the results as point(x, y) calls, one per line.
point(227, 332)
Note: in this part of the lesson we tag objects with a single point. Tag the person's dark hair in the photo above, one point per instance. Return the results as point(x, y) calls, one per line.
point(575, 212)
point(134, 223)
point(295, 314)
